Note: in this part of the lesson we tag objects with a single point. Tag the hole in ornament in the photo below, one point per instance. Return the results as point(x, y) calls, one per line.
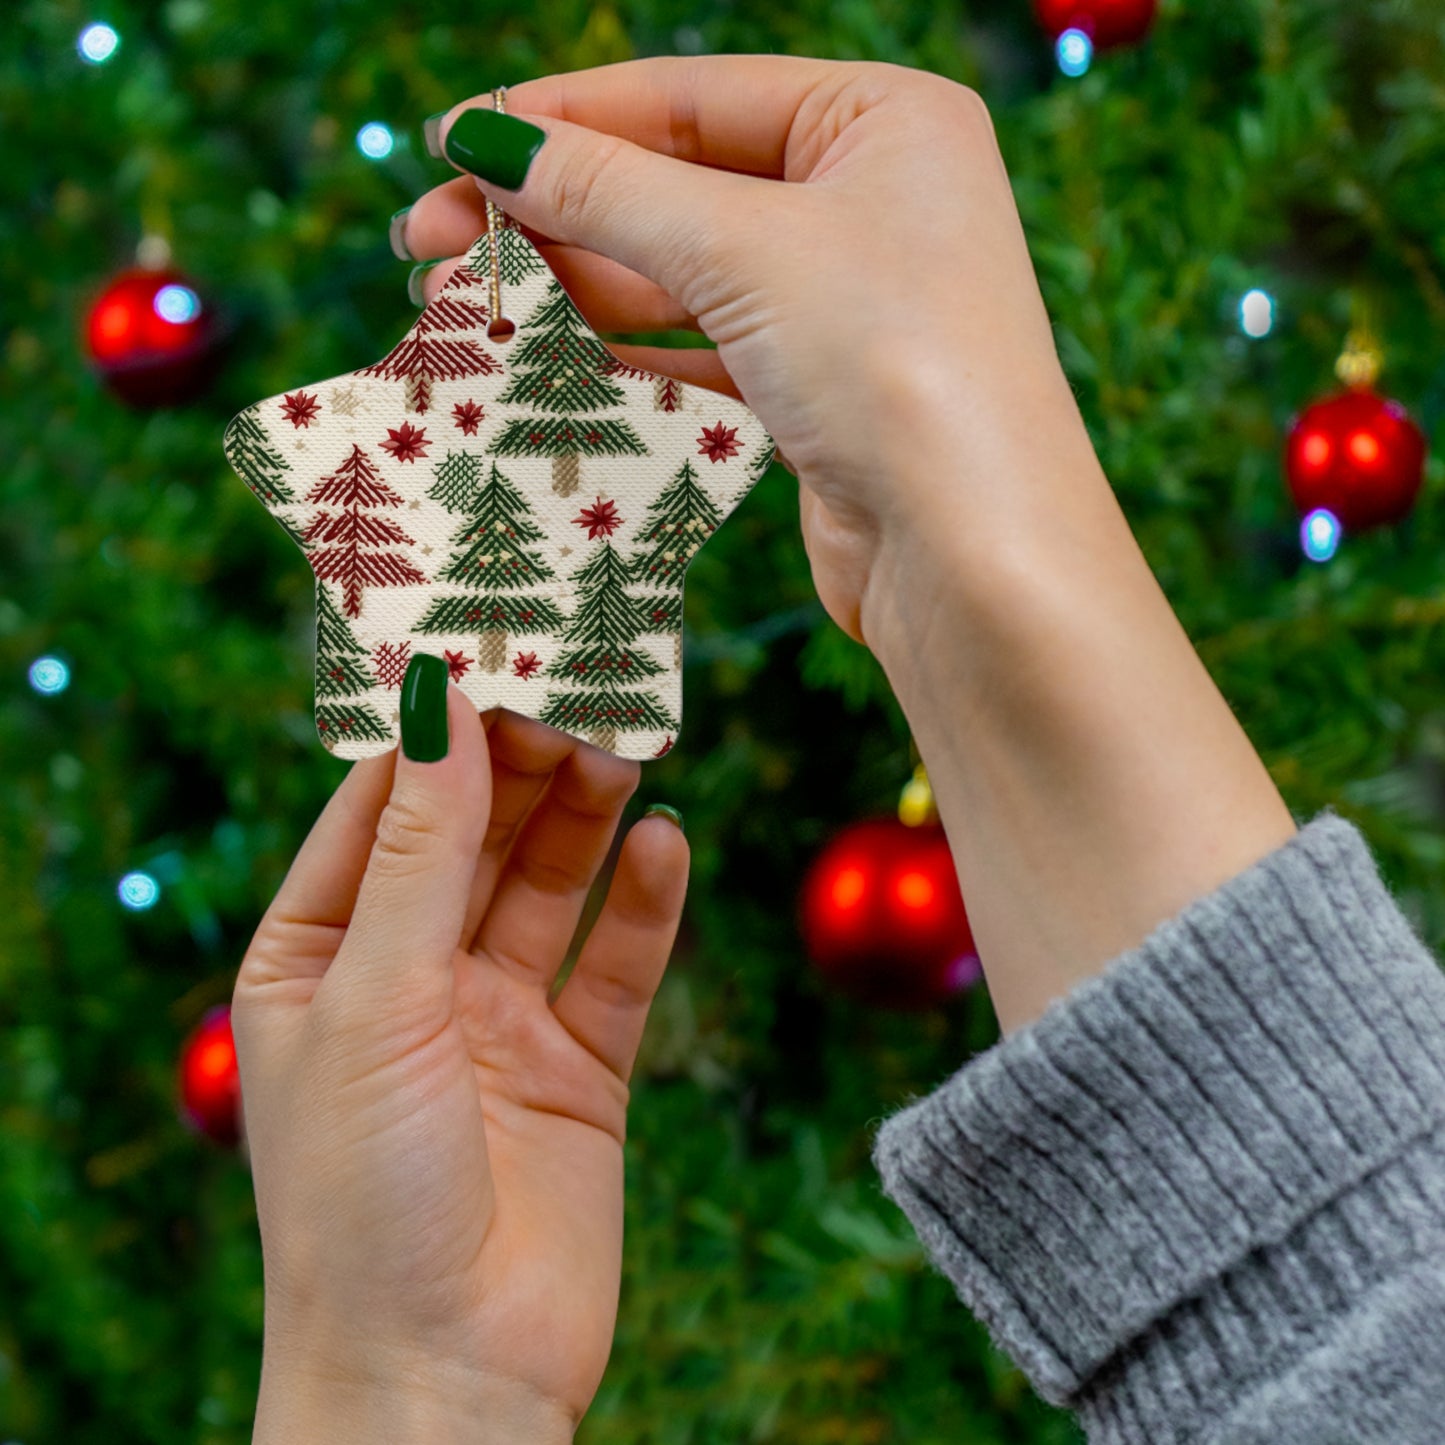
point(501, 329)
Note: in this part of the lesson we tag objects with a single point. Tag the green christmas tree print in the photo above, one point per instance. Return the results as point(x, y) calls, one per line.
point(516, 260)
point(561, 371)
point(490, 560)
point(255, 460)
point(601, 671)
point(678, 522)
point(341, 677)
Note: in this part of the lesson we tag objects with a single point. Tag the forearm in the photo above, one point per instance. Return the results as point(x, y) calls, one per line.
point(1091, 778)
point(423, 1403)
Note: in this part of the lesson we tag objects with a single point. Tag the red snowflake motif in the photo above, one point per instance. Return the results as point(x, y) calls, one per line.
point(467, 415)
point(300, 409)
point(390, 662)
point(457, 665)
point(407, 444)
point(524, 664)
point(665, 748)
point(600, 520)
point(718, 443)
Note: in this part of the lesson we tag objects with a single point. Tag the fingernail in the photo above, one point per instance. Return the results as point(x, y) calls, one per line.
point(497, 147)
point(666, 812)
point(396, 234)
point(414, 293)
point(431, 133)
point(424, 709)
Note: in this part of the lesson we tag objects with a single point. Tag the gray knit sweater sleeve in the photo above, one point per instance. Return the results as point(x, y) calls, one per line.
point(1201, 1200)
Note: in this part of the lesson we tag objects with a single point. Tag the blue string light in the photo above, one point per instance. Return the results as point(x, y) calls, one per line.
point(138, 891)
point(177, 304)
point(1320, 535)
point(375, 140)
point(1075, 52)
point(97, 43)
point(49, 675)
point(1256, 313)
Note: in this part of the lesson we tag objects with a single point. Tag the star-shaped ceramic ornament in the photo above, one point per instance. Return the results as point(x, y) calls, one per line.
point(524, 508)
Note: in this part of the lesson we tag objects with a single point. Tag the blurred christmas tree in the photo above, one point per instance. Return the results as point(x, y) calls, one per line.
point(771, 1293)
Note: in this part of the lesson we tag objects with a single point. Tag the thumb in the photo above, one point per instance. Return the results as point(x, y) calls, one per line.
point(412, 902)
point(666, 219)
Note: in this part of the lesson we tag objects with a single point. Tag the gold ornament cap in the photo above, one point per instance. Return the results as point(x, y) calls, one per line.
point(915, 803)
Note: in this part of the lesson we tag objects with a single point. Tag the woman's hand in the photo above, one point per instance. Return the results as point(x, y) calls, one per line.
point(437, 1148)
point(847, 234)
point(881, 306)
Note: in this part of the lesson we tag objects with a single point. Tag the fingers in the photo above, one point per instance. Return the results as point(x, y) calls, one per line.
point(296, 937)
point(735, 112)
point(659, 217)
point(525, 753)
point(605, 1001)
point(543, 885)
point(412, 901)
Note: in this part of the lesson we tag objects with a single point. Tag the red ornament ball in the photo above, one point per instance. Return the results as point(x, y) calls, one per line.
point(209, 1080)
point(1106, 22)
point(152, 338)
point(1359, 456)
point(883, 919)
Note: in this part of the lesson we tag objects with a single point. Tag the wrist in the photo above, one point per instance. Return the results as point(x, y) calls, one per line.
point(400, 1403)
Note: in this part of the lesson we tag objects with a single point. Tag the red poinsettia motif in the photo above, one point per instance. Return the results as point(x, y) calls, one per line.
point(467, 414)
point(665, 748)
point(457, 664)
point(601, 520)
point(300, 409)
point(407, 443)
point(524, 664)
point(718, 443)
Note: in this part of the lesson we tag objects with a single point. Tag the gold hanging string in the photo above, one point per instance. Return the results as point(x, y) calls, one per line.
point(499, 104)
point(1360, 362)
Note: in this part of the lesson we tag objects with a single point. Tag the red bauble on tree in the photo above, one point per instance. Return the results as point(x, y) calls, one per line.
point(883, 918)
point(1107, 23)
point(209, 1082)
point(1359, 456)
point(152, 338)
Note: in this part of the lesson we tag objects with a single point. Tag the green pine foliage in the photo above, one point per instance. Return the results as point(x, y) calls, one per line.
point(770, 1292)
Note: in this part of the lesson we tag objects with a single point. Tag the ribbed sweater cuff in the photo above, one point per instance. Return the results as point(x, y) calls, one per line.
point(1175, 1160)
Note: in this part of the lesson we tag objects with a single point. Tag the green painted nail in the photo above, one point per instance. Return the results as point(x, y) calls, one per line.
point(431, 133)
point(414, 293)
point(666, 813)
point(497, 147)
point(424, 709)
point(396, 234)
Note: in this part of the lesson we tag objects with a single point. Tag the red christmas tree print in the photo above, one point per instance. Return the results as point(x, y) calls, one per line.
point(300, 409)
point(407, 443)
point(467, 415)
point(344, 539)
point(601, 520)
point(457, 664)
point(718, 443)
point(428, 354)
point(524, 664)
point(390, 661)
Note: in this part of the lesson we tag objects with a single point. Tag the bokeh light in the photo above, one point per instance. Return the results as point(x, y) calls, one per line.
point(177, 304)
point(1075, 52)
point(97, 43)
point(49, 675)
point(1256, 313)
point(375, 140)
point(138, 891)
point(1320, 535)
